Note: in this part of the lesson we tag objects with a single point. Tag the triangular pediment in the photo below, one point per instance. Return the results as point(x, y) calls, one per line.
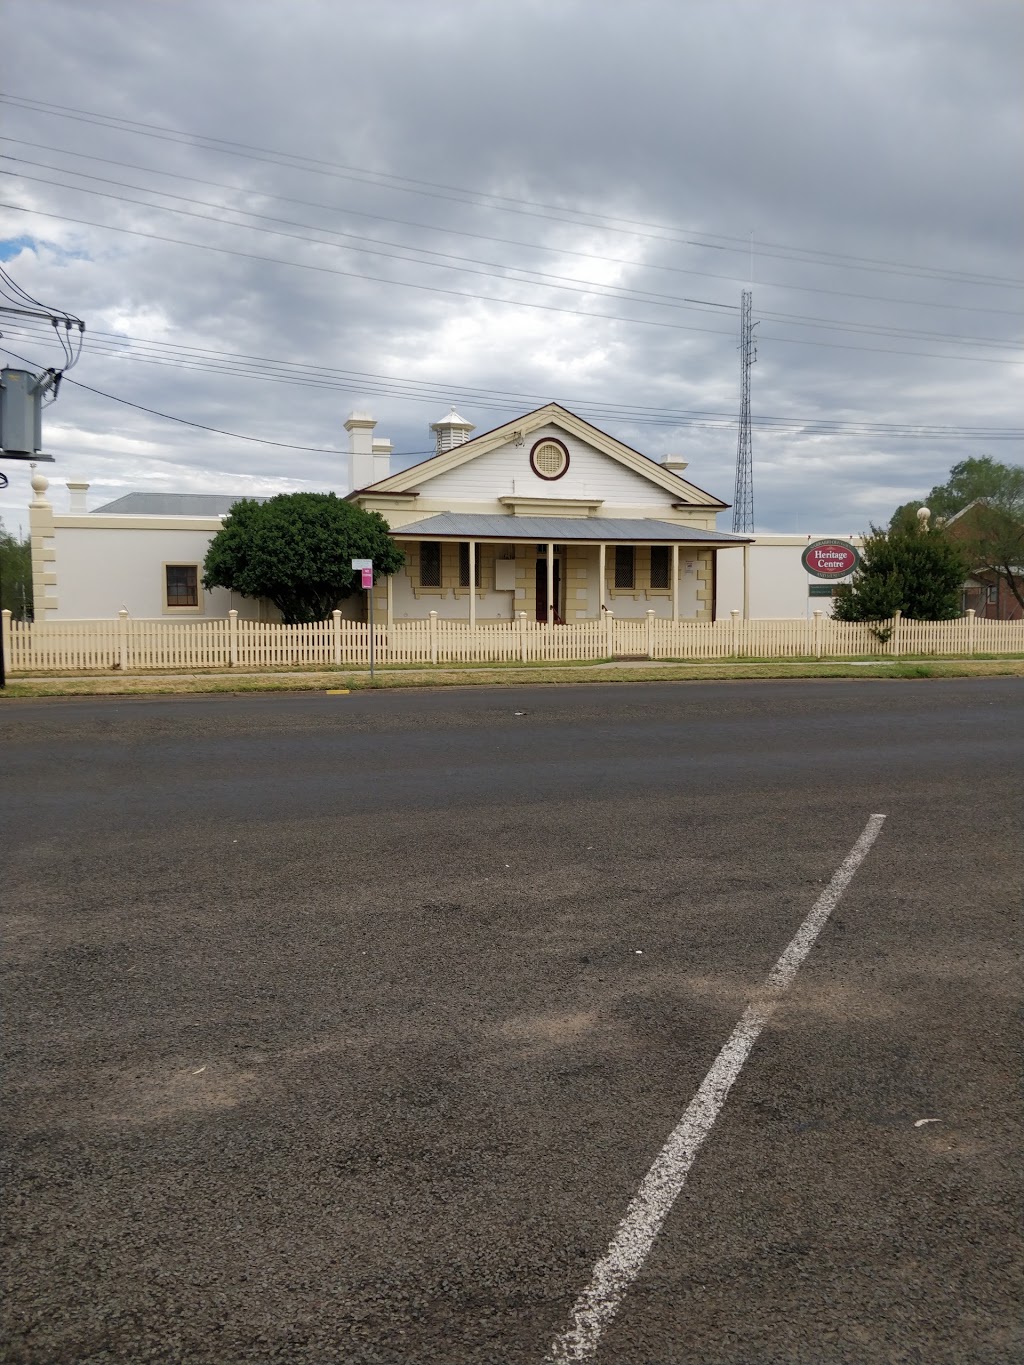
point(518, 432)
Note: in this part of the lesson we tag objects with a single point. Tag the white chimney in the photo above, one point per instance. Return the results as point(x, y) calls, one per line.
point(360, 427)
point(381, 458)
point(674, 463)
point(78, 492)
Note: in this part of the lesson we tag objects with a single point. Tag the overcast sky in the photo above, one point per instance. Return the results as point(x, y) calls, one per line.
point(398, 205)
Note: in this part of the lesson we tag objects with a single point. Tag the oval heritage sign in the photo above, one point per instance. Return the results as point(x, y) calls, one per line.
point(830, 558)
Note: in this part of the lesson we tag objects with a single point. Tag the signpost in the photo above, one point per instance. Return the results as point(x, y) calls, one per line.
point(830, 558)
point(364, 567)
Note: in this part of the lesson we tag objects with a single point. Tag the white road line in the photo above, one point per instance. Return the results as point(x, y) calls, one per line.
point(650, 1206)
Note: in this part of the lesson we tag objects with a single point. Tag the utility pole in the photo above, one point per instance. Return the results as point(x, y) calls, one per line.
point(22, 391)
point(743, 496)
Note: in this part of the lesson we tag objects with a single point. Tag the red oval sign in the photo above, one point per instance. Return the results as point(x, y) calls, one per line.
point(830, 558)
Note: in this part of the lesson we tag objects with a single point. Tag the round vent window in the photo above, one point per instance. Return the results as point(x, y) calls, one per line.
point(549, 459)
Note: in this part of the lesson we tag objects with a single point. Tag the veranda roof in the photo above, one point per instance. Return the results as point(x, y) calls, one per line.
point(592, 530)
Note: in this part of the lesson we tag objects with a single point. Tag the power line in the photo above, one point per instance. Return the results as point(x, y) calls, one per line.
point(153, 412)
point(504, 203)
point(465, 265)
point(448, 230)
point(197, 360)
point(486, 298)
point(23, 307)
point(361, 275)
point(247, 365)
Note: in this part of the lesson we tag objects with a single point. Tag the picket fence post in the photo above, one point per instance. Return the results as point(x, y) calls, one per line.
point(650, 632)
point(893, 647)
point(970, 630)
point(336, 637)
point(521, 617)
point(122, 639)
point(233, 637)
point(8, 656)
point(609, 621)
point(816, 630)
point(433, 637)
point(734, 633)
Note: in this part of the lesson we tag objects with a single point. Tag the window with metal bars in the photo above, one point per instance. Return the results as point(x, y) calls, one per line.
point(625, 572)
point(464, 564)
point(661, 566)
point(430, 563)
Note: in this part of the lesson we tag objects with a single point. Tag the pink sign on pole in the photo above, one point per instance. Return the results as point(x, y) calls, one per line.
point(367, 577)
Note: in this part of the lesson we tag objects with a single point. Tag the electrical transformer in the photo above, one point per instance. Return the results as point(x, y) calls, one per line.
point(21, 426)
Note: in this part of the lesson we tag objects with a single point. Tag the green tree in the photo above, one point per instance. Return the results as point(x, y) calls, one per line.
point(991, 537)
point(296, 549)
point(15, 575)
point(991, 534)
point(908, 568)
point(969, 481)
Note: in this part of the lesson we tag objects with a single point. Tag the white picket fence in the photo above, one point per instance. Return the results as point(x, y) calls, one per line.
point(136, 645)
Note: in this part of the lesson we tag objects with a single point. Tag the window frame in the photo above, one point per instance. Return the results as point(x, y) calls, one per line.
point(436, 545)
point(666, 552)
point(549, 441)
point(196, 608)
point(619, 566)
point(464, 564)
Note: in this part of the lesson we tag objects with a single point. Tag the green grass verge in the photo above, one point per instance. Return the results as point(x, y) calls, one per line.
point(506, 675)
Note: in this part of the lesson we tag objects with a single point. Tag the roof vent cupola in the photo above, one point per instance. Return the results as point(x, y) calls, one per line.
point(451, 431)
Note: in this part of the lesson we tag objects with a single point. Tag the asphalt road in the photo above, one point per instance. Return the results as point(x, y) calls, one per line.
point(343, 1029)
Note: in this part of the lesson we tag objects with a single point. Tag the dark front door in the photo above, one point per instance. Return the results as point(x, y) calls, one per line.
point(542, 589)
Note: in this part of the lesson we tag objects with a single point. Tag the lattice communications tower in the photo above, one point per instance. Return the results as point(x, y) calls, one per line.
point(743, 496)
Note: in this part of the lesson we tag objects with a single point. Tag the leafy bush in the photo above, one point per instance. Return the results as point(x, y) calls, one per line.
point(297, 550)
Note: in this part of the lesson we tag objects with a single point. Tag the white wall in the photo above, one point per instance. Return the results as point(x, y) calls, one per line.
point(506, 472)
point(778, 584)
point(101, 570)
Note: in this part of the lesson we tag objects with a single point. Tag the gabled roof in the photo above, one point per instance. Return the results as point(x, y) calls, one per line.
point(682, 490)
point(978, 502)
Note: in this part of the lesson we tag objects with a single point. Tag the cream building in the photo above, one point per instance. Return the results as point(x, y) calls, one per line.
point(545, 515)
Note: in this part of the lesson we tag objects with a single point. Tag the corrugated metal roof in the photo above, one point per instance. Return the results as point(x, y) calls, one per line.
point(173, 504)
point(630, 530)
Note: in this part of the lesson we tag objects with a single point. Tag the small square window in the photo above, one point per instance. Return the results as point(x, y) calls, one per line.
point(430, 564)
point(661, 566)
point(182, 585)
point(624, 571)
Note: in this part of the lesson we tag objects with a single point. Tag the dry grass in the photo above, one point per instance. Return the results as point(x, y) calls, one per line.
point(154, 684)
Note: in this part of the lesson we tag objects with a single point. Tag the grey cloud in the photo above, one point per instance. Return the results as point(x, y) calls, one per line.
point(890, 132)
